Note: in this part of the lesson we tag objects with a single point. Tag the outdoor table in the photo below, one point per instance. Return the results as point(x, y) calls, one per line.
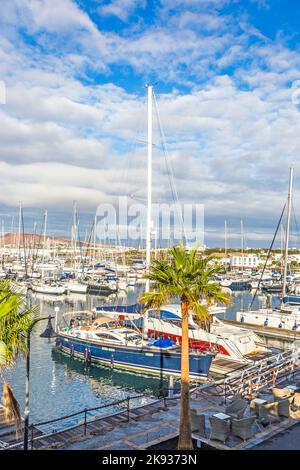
point(222, 416)
point(291, 388)
point(256, 403)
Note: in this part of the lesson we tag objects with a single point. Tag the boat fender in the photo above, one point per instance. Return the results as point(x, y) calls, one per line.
point(280, 325)
point(87, 356)
point(295, 326)
point(72, 350)
point(266, 322)
point(242, 319)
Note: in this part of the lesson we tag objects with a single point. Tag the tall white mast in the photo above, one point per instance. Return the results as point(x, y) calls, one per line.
point(149, 201)
point(45, 234)
point(287, 233)
point(19, 233)
point(93, 257)
point(149, 191)
point(74, 236)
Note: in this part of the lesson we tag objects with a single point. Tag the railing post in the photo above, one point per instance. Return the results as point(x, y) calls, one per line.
point(31, 440)
point(85, 423)
point(128, 408)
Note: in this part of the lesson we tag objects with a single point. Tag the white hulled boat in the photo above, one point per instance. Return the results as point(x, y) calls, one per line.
point(286, 317)
point(108, 342)
point(51, 289)
point(76, 287)
point(228, 342)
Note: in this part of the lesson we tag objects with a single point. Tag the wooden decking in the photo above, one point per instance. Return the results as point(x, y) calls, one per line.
point(8, 436)
point(158, 419)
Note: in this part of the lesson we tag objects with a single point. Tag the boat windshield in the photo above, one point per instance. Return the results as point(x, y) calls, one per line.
point(131, 335)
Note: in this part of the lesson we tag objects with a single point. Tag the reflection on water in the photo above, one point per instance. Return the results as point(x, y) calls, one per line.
point(60, 385)
point(242, 301)
point(103, 379)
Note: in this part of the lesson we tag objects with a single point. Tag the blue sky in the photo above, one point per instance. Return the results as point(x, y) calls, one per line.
point(226, 75)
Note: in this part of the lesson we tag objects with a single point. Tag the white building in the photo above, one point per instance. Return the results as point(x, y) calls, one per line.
point(251, 260)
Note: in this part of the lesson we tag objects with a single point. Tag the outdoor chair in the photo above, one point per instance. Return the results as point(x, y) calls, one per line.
point(219, 429)
point(254, 406)
point(279, 393)
point(269, 412)
point(198, 423)
point(243, 427)
point(237, 408)
point(284, 407)
point(296, 400)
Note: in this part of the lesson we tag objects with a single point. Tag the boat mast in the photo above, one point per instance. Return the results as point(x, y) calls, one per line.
point(287, 233)
point(74, 235)
point(19, 233)
point(242, 244)
point(149, 191)
point(149, 202)
point(281, 250)
point(225, 240)
point(94, 247)
point(45, 234)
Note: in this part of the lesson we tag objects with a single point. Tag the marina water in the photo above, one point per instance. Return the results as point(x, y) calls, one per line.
point(60, 385)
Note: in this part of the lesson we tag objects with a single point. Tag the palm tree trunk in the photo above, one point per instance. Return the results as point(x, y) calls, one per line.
point(185, 430)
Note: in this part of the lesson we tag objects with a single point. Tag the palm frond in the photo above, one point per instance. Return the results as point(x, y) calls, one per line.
point(11, 408)
point(186, 276)
point(16, 319)
point(154, 299)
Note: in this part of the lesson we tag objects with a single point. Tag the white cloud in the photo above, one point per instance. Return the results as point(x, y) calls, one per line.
point(64, 137)
point(121, 8)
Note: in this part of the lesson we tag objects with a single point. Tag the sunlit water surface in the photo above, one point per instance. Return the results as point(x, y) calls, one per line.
point(60, 385)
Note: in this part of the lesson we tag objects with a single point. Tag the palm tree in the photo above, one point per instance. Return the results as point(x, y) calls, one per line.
point(16, 319)
point(185, 277)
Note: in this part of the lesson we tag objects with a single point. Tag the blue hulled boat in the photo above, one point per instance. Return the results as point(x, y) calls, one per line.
point(291, 299)
point(110, 343)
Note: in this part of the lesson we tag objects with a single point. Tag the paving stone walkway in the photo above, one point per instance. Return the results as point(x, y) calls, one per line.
point(137, 434)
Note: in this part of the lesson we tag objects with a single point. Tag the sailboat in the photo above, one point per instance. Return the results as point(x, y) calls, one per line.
point(286, 317)
point(232, 343)
point(227, 342)
point(108, 342)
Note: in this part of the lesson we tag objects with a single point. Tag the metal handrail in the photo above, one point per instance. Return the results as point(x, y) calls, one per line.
point(86, 410)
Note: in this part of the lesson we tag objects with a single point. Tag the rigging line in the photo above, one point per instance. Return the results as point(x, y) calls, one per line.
point(24, 242)
point(169, 171)
point(89, 240)
point(166, 155)
point(36, 246)
point(80, 245)
point(269, 252)
point(296, 225)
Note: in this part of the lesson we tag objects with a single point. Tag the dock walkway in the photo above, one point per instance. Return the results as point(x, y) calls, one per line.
point(267, 331)
point(93, 430)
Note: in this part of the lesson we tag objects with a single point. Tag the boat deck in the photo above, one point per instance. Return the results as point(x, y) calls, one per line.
point(267, 331)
